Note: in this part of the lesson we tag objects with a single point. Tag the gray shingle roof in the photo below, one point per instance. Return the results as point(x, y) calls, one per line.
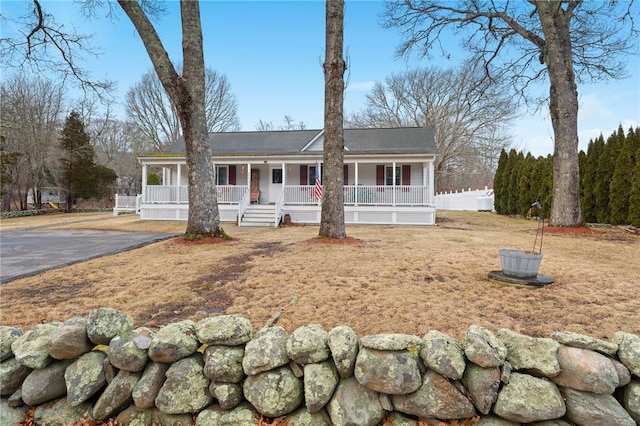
point(400, 140)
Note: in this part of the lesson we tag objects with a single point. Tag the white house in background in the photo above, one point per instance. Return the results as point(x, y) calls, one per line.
point(263, 176)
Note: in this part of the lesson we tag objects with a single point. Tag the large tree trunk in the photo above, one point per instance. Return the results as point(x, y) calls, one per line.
point(332, 215)
point(187, 93)
point(563, 106)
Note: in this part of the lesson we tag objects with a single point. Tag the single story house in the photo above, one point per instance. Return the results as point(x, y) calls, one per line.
point(264, 176)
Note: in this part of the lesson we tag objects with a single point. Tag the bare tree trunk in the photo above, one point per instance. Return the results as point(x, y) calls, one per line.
point(187, 93)
point(563, 104)
point(332, 215)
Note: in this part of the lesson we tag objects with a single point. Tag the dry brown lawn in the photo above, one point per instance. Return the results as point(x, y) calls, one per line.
point(391, 279)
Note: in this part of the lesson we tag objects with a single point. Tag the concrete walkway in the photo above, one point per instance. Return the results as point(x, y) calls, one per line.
point(30, 251)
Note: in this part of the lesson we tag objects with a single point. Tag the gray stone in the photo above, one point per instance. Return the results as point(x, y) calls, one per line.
point(11, 415)
point(398, 419)
point(228, 395)
point(483, 348)
point(354, 405)
point(529, 399)
point(228, 330)
point(45, 384)
point(117, 396)
point(133, 416)
point(30, 349)
point(551, 423)
point(7, 336)
point(443, 354)
point(186, 389)
point(70, 340)
point(531, 353)
point(343, 344)
point(146, 390)
point(174, 342)
point(320, 380)
point(585, 408)
point(224, 363)
point(275, 392)
point(12, 374)
point(85, 377)
point(385, 401)
point(631, 400)
point(390, 372)
point(628, 350)
point(577, 340)
point(15, 399)
point(242, 415)
point(308, 344)
point(495, 421)
point(125, 352)
point(266, 351)
point(391, 342)
point(505, 372)
point(302, 417)
point(106, 323)
point(61, 413)
point(624, 376)
point(482, 384)
point(436, 398)
point(586, 370)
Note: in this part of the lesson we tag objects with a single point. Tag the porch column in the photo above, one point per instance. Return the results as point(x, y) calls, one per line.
point(179, 179)
point(249, 180)
point(144, 182)
point(393, 187)
point(432, 181)
point(355, 192)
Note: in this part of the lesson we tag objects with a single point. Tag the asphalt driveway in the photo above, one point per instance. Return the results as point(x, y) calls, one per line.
point(30, 251)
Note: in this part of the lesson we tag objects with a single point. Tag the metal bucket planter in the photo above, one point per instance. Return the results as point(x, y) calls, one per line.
point(518, 263)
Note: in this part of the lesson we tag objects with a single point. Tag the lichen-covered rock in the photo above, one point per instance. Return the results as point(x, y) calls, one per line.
point(354, 404)
point(12, 374)
point(106, 323)
point(436, 398)
point(228, 330)
point(302, 417)
point(117, 396)
point(129, 352)
point(443, 354)
point(624, 375)
point(482, 384)
point(343, 344)
point(390, 372)
point(228, 395)
point(61, 413)
point(133, 416)
point(586, 408)
point(146, 390)
point(320, 380)
point(586, 370)
point(495, 421)
point(483, 348)
point(224, 363)
point(529, 399)
point(266, 351)
point(11, 415)
point(173, 342)
point(30, 349)
point(577, 340)
point(7, 336)
point(631, 400)
point(391, 342)
point(399, 419)
point(242, 415)
point(70, 340)
point(45, 384)
point(308, 344)
point(628, 350)
point(531, 353)
point(85, 376)
point(186, 389)
point(275, 392)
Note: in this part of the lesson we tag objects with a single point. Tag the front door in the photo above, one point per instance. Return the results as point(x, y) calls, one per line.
point(255, 186)
point(275, 183)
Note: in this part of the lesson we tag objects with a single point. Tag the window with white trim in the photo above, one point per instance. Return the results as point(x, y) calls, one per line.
point(389, 175)
point(222, 175)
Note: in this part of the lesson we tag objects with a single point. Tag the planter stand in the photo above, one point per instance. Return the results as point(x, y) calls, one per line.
point(537, 281)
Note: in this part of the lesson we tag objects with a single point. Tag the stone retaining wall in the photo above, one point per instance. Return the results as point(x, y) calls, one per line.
point(218, 372)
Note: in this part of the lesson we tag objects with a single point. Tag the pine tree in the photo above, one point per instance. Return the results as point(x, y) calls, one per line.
point(634, 193)
point(498, 182)
point(588, 179)
point(621, 182)
point(604, 173)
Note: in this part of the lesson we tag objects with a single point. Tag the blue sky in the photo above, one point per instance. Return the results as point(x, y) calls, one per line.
point(272, 51)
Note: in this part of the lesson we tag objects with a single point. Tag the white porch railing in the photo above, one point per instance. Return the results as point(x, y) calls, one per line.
point(165, 194)
point(125, 203)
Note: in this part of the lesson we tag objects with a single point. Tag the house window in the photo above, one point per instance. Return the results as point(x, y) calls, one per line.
point(392, 174)
point(311, 176)
point(276, 176)
point(222, 175)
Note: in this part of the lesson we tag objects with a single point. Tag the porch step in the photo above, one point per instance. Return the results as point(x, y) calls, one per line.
point(259, 215)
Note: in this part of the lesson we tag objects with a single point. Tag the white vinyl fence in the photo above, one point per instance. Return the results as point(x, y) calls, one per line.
point(475, 200)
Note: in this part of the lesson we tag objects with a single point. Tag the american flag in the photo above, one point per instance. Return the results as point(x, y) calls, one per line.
point(316, 192)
